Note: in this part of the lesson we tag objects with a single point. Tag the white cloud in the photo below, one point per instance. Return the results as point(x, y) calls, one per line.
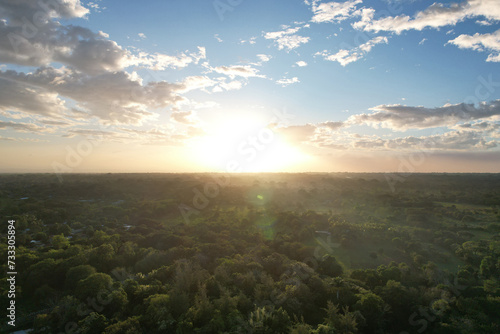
point(333, 11)
point(184, 117)
point(484, 22)
point(141, 35)
point(231, 85)
point(223, 85)
point(195, 82)
point(301, 63)
point(264, 58)
point(250, 41)
point(16, 10)
point(52, 42)
point(286, 39)
point(460, 140)
point(435, 16)
point(422, 41)
point(245, 71)
point(481, 42)
point(159, 61)
point(113, 97)
point(95, 6)
point(285, 82)
point(278, 34)
point(344, 57)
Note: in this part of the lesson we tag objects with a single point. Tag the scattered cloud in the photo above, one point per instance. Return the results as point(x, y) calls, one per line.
point(327, 135)
point(216, 36)
point(95, 6)
point(251, 41)
point(245, 71)
point(30, 140)
point(285, 82)
point(184, 117)
point(484, 22)
point(489, 127)
point(28, 99)
point(80, 75)
point(52, 42)
point(287, 39)
point(435, 16)
point(453, 140)
point(113, 97)
point(56, 123)
point(344, 57)
point(159, 61)
point(481, 42)
point(25, 127)
point(331, 125)
point(264, 58)
point(194, 82)
point(226, 86)
point(333, 11)
point(155, 136)
point(402, 118)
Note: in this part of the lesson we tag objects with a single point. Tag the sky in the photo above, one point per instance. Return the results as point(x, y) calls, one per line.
point(249, 86)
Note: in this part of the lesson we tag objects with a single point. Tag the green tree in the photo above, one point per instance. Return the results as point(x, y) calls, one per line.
point(78, 273)
point(93, 285)
point(94, 323)
point(158, 314)
point(268, 320)
point(487, 267)
point(372, 307)
point(59, 241)
point(129, 326)
point(339, 322)
point(41, 273)
point(330, 266)
point(491, 285)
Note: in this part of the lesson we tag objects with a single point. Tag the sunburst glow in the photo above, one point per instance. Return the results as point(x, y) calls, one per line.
point(245, 144)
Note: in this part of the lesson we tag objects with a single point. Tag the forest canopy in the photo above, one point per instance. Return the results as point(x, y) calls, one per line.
point(254, 253)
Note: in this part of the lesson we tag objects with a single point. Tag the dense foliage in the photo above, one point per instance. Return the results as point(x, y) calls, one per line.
point(269, 253)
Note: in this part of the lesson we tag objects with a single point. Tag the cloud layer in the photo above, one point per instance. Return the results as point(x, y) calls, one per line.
point(402, 118)
point(435, 16)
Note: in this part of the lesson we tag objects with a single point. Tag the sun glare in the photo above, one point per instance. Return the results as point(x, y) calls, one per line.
point(245, 144)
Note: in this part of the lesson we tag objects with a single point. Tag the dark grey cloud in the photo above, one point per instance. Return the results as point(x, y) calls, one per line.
point(449, 141)
point(24, 127)
point(401, 118)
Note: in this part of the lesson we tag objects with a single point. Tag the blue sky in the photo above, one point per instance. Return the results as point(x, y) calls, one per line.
point(185, 85)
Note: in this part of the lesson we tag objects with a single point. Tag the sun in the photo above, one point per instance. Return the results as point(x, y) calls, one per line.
point(245, 143)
